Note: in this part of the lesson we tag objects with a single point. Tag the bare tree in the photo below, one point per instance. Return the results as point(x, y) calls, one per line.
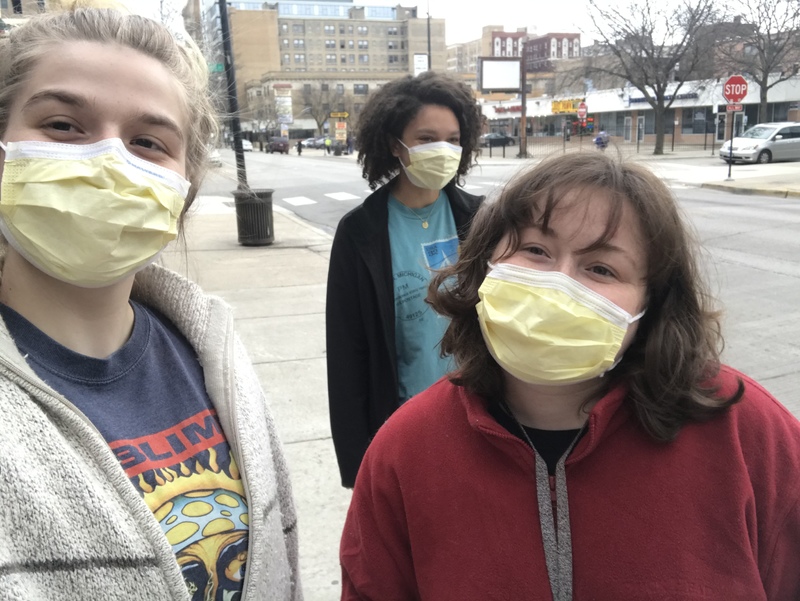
point(321, 99)
point(652, 45)
point(766, 47)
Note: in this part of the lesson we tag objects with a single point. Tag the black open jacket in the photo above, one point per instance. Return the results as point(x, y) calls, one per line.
point(360, 324)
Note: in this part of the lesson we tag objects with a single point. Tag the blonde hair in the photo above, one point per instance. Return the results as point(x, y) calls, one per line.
point(27, 44)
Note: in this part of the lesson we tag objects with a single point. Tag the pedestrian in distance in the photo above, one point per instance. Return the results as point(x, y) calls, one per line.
point(349, 144)
point(138, 456)
point(601, 140)
point(417, 139)
point(299, 148)
point(328, 146)
point(588, 444)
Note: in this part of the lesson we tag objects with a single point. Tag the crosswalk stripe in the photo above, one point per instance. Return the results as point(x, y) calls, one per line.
point(342, 196)
point(298, 201)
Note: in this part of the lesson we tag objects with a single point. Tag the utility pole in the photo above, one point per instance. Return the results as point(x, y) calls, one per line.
point(430, 56)
point(523, 119)
point(233, 102)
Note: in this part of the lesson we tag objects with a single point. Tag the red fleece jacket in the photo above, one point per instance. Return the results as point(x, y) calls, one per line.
point(445, 506)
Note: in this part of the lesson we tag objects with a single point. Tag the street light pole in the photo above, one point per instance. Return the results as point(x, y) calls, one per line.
point(233, 102)
point(430, 57)
point(523, 119)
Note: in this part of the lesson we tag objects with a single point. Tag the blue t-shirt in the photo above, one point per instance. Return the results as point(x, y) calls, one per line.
point(416, 250)
point(149, 402)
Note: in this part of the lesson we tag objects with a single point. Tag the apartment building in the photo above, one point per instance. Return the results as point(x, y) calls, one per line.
point(322, 36)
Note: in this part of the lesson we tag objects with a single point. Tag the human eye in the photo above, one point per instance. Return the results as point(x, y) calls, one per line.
point(602, 271)
point(147, 145)
point(59, 127)
point(535, 250)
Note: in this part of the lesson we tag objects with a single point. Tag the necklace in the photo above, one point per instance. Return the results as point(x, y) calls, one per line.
point(424, 220)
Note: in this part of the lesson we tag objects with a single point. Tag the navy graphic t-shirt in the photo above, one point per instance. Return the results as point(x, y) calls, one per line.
point(149, 402)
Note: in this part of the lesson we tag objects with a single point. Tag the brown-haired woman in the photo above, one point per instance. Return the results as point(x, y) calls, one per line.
point(417, 136)
point(589, 445)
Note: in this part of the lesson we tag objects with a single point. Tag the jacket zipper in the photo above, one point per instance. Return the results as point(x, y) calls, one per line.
point(553, 500)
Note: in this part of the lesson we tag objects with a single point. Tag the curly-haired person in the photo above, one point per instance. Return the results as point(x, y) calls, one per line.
point(417, 138)
point(589, 444)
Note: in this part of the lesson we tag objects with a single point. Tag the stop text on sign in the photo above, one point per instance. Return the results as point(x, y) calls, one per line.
point(735, 89)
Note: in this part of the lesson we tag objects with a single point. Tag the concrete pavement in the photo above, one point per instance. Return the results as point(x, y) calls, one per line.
point(278, 293)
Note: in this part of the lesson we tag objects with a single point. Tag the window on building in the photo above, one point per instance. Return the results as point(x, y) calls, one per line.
point(340, 107)
point(298, 28)
point(363, 44)
point(697, 120)
point(357, 107)
point(341, 28)
point(391, 30)
point(351, 44)
point(351, 58)
point(363, 59)
point(284, 28)
point(361, 89)
point(285, 42)
point(330, 59)
point(324, 87)
point(392, 45)
point(403, 45)
point(343, 59)
point(17, 4)
point(330, 44)
point(342, 44)
point(300, 58)
point(329, 29)
point(306, 88)
point(299, 43)
point(393, 58)
point(363, 29)
point(349, 29)
point(286, 59)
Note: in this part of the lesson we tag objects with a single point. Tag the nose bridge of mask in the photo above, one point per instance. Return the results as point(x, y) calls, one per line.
point(432, 149)
point(136, 169)
point(572, 289)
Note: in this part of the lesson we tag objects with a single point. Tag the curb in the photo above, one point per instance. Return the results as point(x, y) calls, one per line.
point(752, 191)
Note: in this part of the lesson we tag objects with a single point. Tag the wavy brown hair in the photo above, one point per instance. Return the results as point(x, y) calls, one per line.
point(389, 110)
point(677, 345)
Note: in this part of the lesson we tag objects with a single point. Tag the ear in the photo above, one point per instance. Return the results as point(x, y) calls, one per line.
point(394, 147)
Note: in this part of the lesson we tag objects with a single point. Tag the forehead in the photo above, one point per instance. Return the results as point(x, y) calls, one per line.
point(434, 117)
point(586, 215)
point(114, 79)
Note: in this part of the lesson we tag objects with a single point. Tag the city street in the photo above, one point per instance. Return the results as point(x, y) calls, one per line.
point(278, 293)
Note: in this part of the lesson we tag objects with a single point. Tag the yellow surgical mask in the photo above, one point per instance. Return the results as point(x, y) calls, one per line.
point(432, 166)
point(89, 215)
point(543, 327)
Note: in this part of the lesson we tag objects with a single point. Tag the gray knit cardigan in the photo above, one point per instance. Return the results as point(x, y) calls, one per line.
point(72, 526)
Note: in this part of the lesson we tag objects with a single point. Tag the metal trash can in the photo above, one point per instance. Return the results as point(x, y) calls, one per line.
point(254, 221)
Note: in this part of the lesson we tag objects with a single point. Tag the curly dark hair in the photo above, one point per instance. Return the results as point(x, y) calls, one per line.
point(676, 349)
point(394, 106)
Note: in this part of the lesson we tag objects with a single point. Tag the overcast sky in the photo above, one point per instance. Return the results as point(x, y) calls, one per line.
point(465, 19)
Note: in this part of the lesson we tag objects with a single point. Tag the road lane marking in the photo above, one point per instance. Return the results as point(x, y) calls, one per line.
point(342, 196)
point(298, 201)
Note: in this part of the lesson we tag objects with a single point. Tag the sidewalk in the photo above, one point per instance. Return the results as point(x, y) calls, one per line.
point(278, 293)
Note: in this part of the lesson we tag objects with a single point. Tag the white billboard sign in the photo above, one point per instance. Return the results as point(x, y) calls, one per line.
point(497, 74)
point(420, 64)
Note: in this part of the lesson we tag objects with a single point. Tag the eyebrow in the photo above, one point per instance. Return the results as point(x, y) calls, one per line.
point(58, 96)
point(160, 121)
point(455, 132)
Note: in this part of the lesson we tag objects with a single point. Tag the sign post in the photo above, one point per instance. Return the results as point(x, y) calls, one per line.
point(734, 90)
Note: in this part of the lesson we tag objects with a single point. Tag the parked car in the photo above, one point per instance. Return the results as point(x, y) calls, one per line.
point(496, 139)
point(247, 145)
point(309, 143)
point(214, 157)
point(320, 142)
point(764, 143)
point(278, 144)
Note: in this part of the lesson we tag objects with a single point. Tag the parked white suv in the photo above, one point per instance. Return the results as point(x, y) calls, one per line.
point(764, 143)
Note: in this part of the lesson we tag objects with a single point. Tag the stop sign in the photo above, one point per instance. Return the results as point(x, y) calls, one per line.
point(583, 109)
point(735, 89)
